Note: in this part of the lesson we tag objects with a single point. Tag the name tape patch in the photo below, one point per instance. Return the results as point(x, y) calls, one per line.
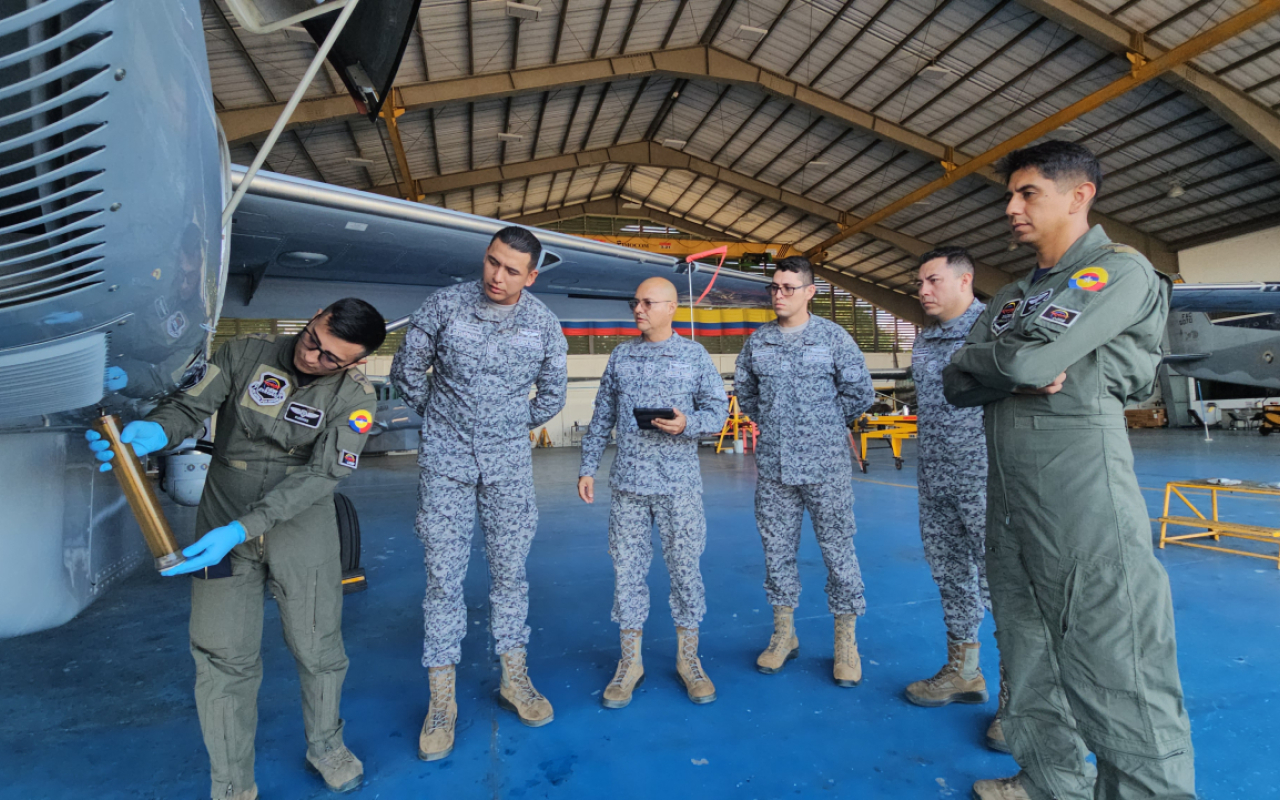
point(527, 338)
point(1005, 318)
point(817, 354)
point(1065, 317)
point(1035, 302)
point(306, 416)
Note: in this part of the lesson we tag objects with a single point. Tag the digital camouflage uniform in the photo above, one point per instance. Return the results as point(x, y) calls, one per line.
point(1083, 613)
point(803, 392)
point(952, 477)
point(655, 476)
point(279, 450)
point(476, 418)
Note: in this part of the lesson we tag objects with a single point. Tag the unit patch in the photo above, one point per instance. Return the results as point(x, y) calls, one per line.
point(1033, 303)
point(348, 459)
point(1065, 317)
point(269, 389)
point(1005, 318)
point(360, 421)
point(176, 325)
point(1090, 279)
point(306, 416)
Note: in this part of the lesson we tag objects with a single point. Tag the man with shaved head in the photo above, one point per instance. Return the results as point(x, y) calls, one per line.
point(655, 479)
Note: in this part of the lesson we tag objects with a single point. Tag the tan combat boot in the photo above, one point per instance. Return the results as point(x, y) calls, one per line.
point(517, 693)
point(341, 770)
point(959, 681)
point(436, 739)
point(783, 645)
point(995, 731)
point(1000, 789)
point(630, 672)
point(689, 667)
point(848, 669)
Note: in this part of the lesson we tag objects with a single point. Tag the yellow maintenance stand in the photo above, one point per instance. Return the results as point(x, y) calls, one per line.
point(894, 428)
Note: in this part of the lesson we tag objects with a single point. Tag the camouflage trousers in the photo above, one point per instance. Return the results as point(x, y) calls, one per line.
point(682, 527)
point(953, 526)
point(779, 514)
point(446, 519)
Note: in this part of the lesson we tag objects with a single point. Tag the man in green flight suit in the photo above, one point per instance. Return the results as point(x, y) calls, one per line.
point(1083, 613)
point(292, 419)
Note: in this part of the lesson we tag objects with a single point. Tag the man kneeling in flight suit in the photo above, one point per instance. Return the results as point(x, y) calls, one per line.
point(292, 415)
point(655, 478)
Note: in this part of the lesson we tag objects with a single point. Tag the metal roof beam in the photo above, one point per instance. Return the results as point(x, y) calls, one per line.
point(988, 279)
point(1251, 119)
point(690, 63)
point(1142, 71)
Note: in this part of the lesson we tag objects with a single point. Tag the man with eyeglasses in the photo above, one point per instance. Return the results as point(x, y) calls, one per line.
point(655, 479)
point(487, 344)
point(293, 416)
point(803, 380)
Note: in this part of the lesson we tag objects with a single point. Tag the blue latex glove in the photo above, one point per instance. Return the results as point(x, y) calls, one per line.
point(211, 549)
point(146, 437)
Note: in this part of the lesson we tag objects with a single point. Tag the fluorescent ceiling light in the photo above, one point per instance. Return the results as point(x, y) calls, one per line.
point(511, 137)
point(674, 144)
point(751, 33)
point(1175, 190)
point(522, 10)
point(364, 162)
point(631, 204)
point(818, 163)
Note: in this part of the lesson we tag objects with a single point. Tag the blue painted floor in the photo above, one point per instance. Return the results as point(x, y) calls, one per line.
point(102, 706)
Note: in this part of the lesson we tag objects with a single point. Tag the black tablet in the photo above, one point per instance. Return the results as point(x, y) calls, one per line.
point(646, 416)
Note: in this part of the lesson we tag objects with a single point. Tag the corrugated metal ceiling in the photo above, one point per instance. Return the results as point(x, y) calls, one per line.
point(994, 69)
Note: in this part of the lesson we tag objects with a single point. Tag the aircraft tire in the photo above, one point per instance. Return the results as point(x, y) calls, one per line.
point(348, 532)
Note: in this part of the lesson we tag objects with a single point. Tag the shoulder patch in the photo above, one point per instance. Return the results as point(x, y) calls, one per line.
point(1116, 247)
point(360, 421)
point(1090, 279)
point(359, 378)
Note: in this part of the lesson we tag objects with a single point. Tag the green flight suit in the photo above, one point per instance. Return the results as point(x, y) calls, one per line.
point(280, 448)
point(1083, 613)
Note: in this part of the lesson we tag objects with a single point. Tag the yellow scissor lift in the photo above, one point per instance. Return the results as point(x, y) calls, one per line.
point(894, 428)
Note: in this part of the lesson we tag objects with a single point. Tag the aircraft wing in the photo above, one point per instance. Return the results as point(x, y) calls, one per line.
point(289, 230)
point(1209, 297)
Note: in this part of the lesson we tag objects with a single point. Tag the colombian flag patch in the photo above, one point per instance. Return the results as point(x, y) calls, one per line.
point(1090, 279)
point(360, 421)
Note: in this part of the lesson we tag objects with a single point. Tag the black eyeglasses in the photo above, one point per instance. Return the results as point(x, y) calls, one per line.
point(633, 303)
point(785, 291)
point(327, 360)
